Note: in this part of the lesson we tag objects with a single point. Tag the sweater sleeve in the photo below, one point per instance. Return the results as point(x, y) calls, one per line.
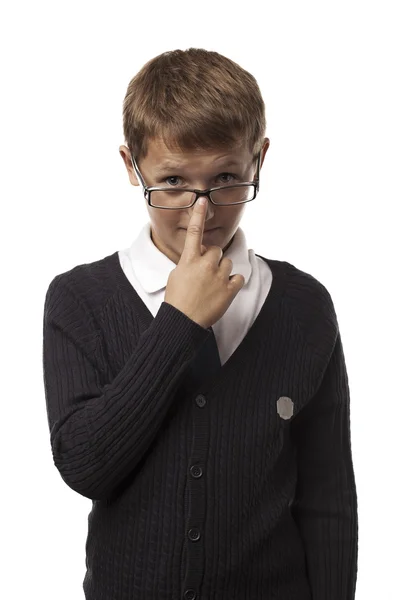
point(99, 433)
point(325, 505)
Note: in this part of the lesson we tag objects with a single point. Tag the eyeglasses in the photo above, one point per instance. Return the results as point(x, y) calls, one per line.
point(177, 199)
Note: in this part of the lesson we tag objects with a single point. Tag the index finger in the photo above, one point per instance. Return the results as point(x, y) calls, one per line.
point(195, 229)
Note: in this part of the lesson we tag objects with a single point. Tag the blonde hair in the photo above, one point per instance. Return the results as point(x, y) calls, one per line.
point(192, 99)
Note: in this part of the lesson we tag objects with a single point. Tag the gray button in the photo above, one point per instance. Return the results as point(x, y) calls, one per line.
point(190, 595)
point(284, 406)
point(200, 400)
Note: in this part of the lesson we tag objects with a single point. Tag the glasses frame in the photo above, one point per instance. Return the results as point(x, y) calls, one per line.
point(148, 189)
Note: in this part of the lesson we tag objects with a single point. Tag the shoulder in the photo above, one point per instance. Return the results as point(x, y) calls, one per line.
point(81, 291)
point(310, 304)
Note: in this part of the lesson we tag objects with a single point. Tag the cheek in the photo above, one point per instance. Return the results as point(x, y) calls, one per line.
point(167, 227)
point(230, 220)
point(163, 220)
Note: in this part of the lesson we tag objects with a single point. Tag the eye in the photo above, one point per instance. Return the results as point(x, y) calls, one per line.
point(229, 175)
point(171, 177)
point(174, 184)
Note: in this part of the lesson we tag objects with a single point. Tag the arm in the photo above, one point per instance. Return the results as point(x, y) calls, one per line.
point(99, 433)
point(325, 506)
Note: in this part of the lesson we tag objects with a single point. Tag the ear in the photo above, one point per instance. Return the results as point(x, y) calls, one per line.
point(264, 150)
point(126, 157)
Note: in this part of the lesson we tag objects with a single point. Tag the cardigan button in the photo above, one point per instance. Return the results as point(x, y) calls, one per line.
point(190, 595)
point(194, 534)
point(200, 400)
point(196, 471)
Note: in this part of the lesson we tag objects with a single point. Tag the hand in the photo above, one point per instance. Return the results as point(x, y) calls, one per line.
point(201, 285)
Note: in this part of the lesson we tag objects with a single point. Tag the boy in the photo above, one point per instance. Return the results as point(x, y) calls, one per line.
point(196, 392)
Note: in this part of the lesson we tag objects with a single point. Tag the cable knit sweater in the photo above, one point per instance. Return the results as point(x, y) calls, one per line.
point(235, 485)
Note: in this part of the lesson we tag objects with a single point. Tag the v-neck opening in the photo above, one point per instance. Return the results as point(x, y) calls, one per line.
point(265, 314)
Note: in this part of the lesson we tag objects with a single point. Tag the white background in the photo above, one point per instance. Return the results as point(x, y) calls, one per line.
point(329, 196)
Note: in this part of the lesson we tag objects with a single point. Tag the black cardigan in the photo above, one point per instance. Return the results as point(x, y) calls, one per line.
point(238, 487)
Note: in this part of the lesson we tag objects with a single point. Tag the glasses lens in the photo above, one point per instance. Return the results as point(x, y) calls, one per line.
point(182, 198)
point(233, 194)
point(171, 198)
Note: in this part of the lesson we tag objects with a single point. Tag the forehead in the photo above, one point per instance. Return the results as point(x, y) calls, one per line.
point(164, 157)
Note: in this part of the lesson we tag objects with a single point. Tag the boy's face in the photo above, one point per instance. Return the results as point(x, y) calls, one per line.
point(201, 170)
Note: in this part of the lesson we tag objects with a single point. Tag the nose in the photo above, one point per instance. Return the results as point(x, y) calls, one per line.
point(206, 194)
point(210, 206)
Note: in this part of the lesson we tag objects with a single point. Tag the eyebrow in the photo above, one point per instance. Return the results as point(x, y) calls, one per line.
point(165, 167)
